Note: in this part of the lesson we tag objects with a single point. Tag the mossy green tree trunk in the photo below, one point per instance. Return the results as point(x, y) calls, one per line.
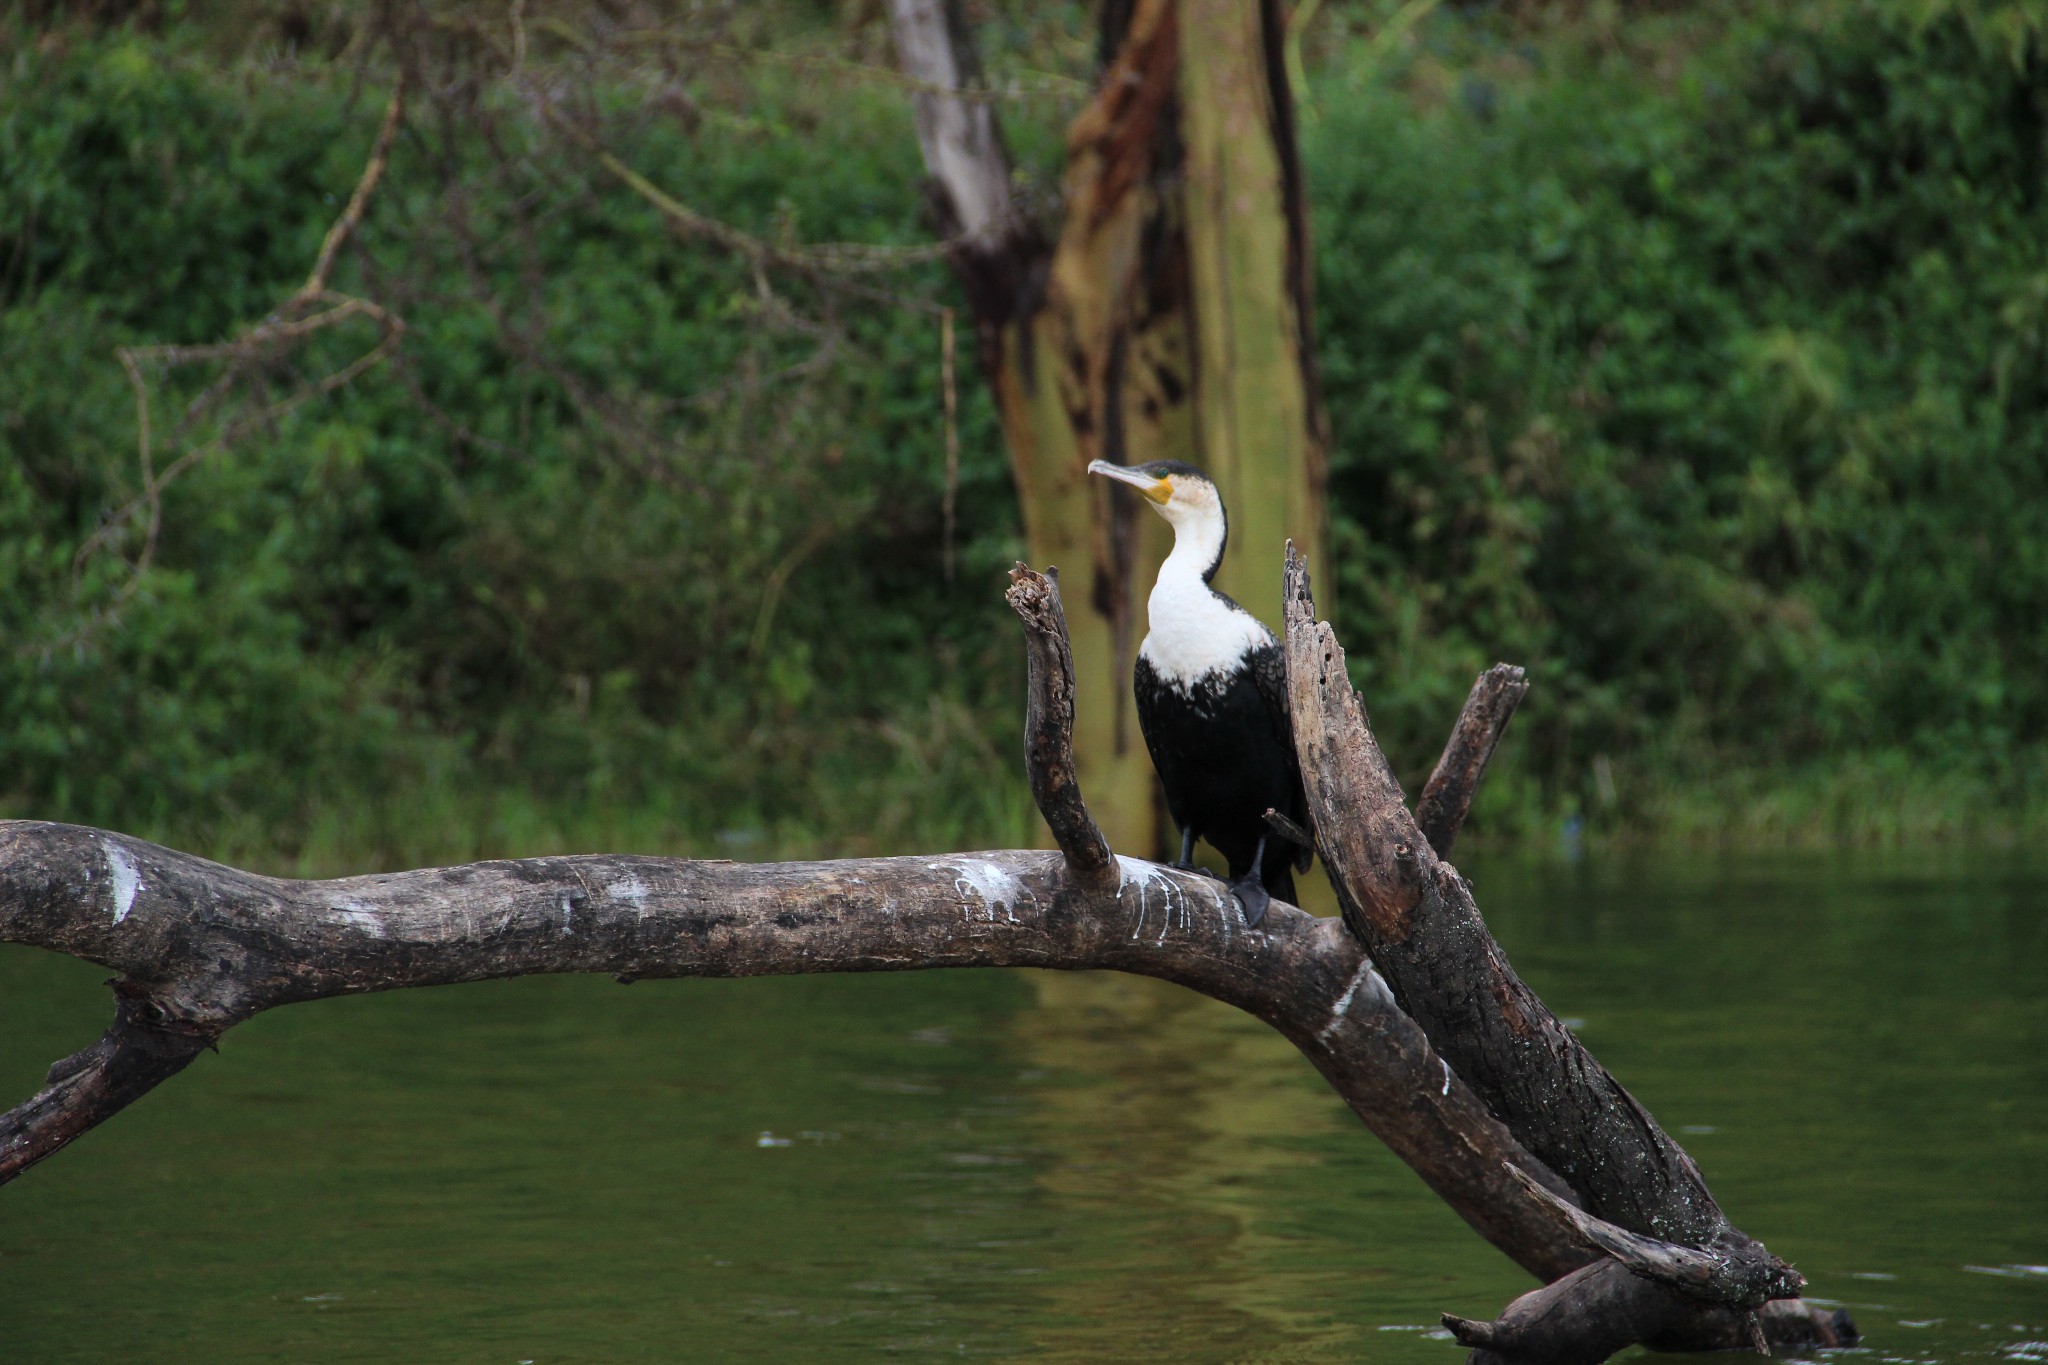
point(1168, 319)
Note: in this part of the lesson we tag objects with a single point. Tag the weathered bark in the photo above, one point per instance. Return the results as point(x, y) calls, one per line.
point(1169, 320)
point(201, 947)
point(1646, 1204)
point(1448, 794)
point(1049, 727)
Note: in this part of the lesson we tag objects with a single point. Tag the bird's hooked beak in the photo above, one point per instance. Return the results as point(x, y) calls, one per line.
point(1159, 490)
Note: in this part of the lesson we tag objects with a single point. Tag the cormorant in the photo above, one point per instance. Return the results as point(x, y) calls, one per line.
point(1211, 685)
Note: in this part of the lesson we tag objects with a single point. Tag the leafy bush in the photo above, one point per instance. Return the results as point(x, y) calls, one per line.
point(573, 554)
point(1709, 385)
point(1717, 399)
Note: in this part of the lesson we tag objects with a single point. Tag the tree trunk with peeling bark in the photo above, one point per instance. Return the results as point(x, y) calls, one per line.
point(1630, 1249)
point(1168, 320)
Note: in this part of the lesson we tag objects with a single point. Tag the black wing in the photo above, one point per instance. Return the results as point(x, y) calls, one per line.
point(1269, 671)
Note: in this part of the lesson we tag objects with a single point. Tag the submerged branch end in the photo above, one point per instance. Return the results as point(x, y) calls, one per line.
point(1737, 1273)
point(1603, 1308)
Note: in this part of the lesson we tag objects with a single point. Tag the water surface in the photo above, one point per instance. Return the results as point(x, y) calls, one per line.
point(1037, 1166)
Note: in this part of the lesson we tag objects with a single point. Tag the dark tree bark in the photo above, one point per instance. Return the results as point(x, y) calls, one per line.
point(1646, 1204)
point(1448, 793)
point(201, 947)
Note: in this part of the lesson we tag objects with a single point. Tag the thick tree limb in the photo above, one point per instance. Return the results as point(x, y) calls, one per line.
point(201, 947)
point(1417, 917)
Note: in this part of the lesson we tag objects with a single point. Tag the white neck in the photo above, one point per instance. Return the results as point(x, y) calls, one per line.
point(1194, 632)
point(1197, 542)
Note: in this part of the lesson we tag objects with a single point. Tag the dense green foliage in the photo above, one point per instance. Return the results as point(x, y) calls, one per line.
point(1722, 401)
point(573, 568)
point(1716, 397)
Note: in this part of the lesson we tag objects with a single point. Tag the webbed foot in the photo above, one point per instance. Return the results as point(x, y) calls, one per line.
point(1251, 894)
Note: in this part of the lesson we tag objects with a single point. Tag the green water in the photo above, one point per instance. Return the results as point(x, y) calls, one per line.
point(1037, 1166)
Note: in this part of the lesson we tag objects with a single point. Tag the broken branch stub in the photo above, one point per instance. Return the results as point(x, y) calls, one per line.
point(1416, 917)
point(1049, 726)
point(1440, 810)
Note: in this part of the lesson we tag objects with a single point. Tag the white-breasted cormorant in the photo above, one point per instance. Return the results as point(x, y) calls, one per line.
point(1211, 685)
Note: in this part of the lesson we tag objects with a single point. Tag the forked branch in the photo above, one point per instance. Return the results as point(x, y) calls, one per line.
point(1645, 1201)
point(313, 307)
point(201, 947)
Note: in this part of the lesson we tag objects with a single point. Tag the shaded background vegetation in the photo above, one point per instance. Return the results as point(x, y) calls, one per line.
point(1696, 360)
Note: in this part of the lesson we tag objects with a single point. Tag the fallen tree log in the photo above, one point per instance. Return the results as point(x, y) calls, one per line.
point(200, 947)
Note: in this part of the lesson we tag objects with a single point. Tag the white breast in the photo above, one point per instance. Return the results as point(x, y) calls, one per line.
point(1193, 632)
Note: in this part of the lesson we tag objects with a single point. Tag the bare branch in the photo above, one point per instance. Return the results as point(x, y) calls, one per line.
point(1044, 84)
point(1416, 916)
point(1697, 1271)
point(848, 257)
point(373, 171)
point(949, 506)
point(962, 146)
point(1049, 726)
point(204, 947)
point(1447, 796)
point(136, 1054)
point(312, 308)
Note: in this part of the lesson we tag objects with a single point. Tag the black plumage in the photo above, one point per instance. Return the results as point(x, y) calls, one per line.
point(1225, 756)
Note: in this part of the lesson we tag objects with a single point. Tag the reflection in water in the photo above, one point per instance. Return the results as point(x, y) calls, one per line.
point(1173, 1117)
point(1036, 1166)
